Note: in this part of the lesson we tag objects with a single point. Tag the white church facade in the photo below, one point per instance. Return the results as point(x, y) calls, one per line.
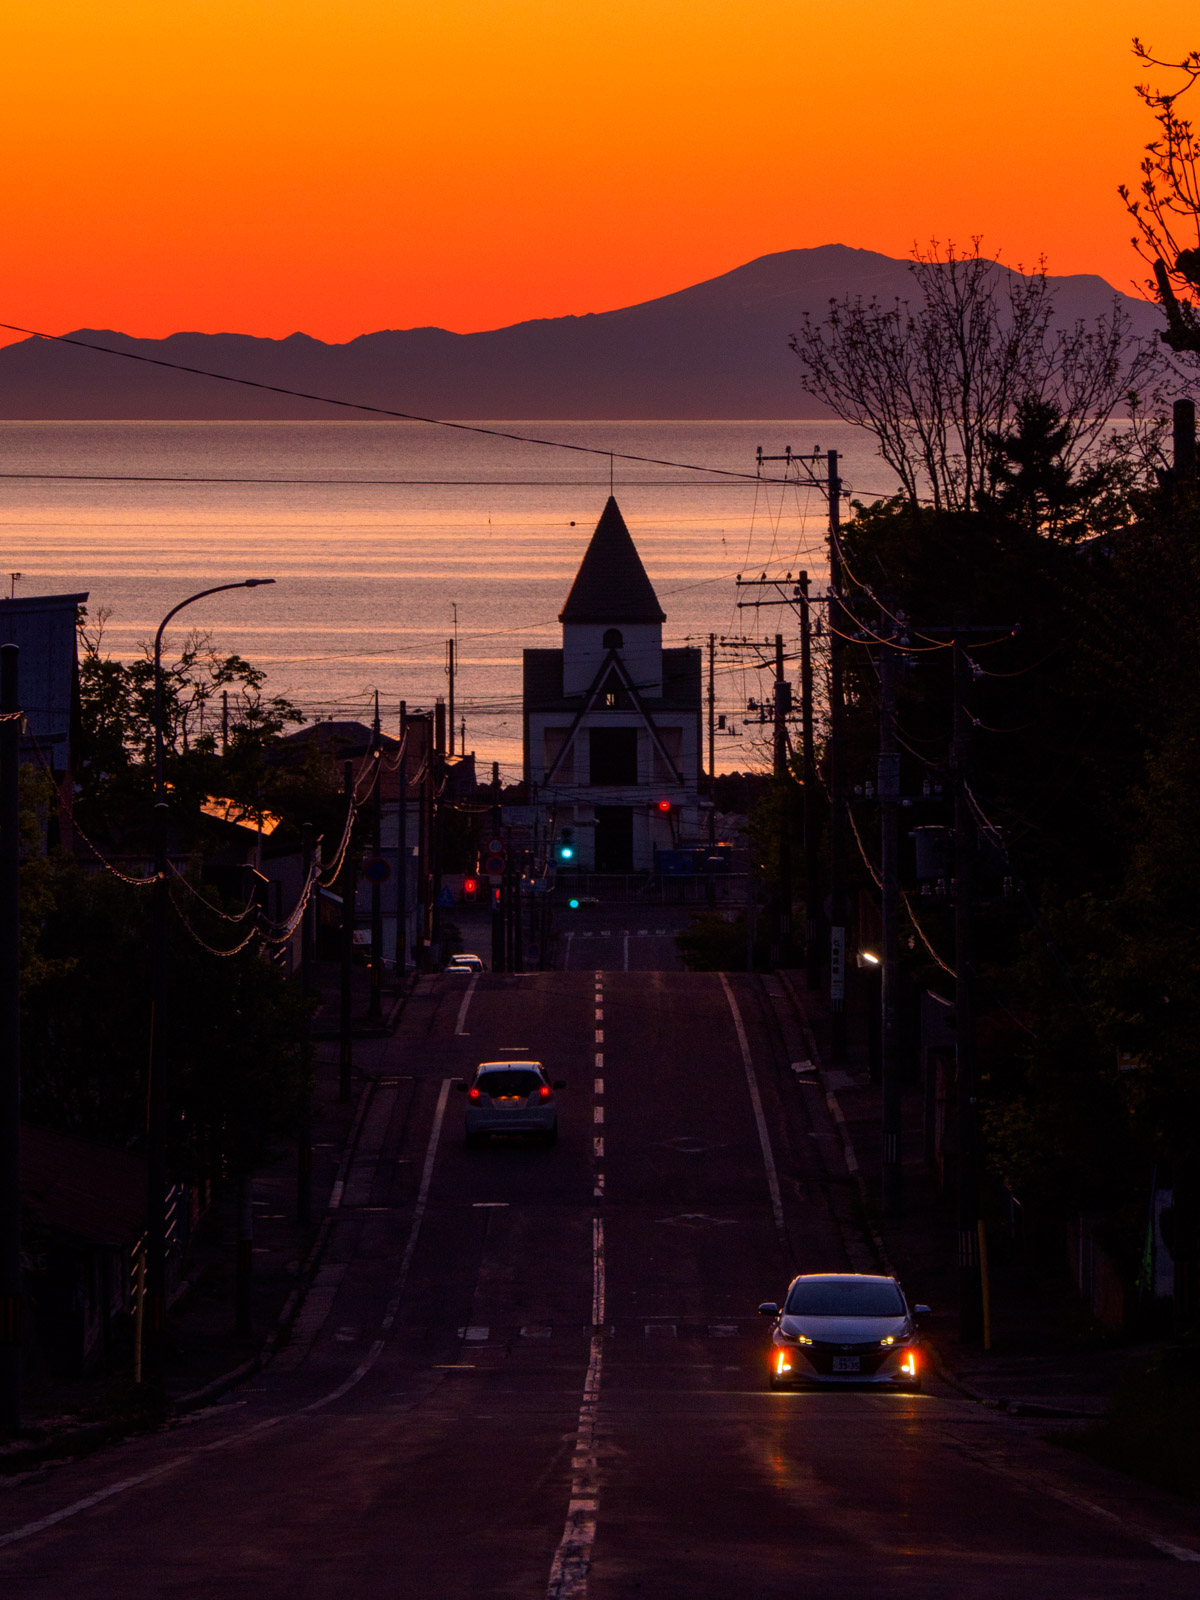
point(613, 721)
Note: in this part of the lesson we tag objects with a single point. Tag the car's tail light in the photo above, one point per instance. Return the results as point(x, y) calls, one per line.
point(544, 1091)
point(472, 1094)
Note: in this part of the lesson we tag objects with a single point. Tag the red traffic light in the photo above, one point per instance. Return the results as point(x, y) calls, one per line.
point(470, 886)
point(664, 805)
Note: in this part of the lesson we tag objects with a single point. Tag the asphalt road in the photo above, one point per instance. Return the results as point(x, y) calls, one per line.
point(539, 1372)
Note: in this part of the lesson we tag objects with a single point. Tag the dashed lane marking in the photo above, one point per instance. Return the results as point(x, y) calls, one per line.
point(460, 1027)
point(597, 1113)
point(573, 1559)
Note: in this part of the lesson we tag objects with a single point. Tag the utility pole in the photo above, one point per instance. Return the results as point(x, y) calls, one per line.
point(496, 891)
point(402, 852)
point(374, 1005)
point(304, 1133)
point(812, 902)
point(421, 953)
point(837, 775)
point(712, 706)
point(10, 1044)
point(888, 790)
point(346, 1018)
point(783, 777)
point(967, 1086)
point(451, 667)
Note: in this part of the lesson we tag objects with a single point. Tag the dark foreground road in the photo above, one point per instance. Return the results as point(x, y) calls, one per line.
point(529, 1372)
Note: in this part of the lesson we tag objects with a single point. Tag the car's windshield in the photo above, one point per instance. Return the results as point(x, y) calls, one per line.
point(520, 1080)
point(844, 1297)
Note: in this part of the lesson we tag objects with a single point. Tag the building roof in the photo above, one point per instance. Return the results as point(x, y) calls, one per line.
point(611, 584)
point(81, 1188)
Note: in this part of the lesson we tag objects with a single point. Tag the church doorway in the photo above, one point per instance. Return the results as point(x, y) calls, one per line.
point(614, 838)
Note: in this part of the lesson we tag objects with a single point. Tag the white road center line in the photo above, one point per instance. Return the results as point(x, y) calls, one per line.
point(626, 966)
point(599, 1060)
point(598, 1147)
point(597, 1113)
point(599, 1014)
point(460, 1025)
point(599, 1035)
point(598, 1086)
point(764, 1137)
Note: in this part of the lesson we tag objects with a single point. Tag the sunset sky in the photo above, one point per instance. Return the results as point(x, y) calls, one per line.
point(339, 166)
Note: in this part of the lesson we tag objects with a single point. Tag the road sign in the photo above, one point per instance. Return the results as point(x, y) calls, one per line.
point(494, 866)
point(376, 870)
point(445, 896)
point(495, 846)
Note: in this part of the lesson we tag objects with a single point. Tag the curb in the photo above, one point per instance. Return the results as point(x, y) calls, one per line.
point(1017, 1408)
point(849, 1154)
point(291, 1306)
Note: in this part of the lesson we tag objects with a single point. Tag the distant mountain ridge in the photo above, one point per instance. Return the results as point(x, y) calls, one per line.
point(715, 350)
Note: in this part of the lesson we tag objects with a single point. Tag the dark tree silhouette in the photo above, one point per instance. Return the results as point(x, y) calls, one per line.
point(1166, 207)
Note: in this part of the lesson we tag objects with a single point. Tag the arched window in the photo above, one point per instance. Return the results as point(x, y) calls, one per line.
point(613, 640)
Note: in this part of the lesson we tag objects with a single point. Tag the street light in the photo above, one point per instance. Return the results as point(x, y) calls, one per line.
point(154, 1310)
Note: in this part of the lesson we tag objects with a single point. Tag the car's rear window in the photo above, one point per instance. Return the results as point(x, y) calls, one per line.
point(844, 1298)
point(514, 1080)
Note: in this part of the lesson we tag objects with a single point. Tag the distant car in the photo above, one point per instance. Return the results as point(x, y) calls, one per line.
point(589, 900)
point(845, 1328)
point(511, 1097)
point(465, 963)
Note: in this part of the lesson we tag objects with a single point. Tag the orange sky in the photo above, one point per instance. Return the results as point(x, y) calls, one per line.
point(338, 166)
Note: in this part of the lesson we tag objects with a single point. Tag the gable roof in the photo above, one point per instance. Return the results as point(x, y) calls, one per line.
point(611, 584)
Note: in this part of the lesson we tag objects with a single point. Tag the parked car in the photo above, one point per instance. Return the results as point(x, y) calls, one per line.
point(511, 1097)
point(465, 963)
point(845, 1328)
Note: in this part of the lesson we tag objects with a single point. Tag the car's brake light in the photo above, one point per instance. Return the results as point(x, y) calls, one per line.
point(544, 1091)
point(472, 1094)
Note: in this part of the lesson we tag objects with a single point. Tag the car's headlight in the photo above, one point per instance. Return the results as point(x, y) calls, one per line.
point(895, 1338)
point(794, 1338)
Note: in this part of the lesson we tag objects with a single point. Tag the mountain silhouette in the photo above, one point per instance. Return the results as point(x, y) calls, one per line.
point(718, 349)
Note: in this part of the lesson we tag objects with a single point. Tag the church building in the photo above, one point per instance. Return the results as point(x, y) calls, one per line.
point(612, 721)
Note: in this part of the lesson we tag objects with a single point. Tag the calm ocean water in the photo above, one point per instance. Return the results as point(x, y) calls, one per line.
point(369, 575)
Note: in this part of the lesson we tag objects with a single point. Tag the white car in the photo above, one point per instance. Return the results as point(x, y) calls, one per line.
point(465, 963)
point(511, 1097)
point(845, 1328)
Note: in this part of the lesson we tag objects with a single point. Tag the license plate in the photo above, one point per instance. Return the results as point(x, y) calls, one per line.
point(847, 1364)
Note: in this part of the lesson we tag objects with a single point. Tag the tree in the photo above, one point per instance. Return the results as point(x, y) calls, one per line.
point(1166, 208)
point(937, 381)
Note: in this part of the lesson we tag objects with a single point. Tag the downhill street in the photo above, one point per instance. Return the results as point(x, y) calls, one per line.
point(526, 1371)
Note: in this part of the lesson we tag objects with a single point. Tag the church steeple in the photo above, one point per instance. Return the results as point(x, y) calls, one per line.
point(611, 584)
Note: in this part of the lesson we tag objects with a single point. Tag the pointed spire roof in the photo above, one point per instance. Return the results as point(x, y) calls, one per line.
point(611, 584)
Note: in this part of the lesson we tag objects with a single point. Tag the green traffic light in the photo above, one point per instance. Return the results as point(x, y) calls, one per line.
point(574, 904)
point(566, 853)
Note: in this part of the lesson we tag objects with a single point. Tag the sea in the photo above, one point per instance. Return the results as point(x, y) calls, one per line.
point(386, 539)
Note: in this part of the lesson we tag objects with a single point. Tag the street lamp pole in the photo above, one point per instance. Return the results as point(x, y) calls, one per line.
point(155, 1308)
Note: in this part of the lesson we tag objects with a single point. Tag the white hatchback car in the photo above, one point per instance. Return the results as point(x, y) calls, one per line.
point(465, 963)
point(511, 1097)
point(845, 1328)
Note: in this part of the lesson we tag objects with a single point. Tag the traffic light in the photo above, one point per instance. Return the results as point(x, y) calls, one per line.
point(566, 845)
point(664, 807)
point(574, 904)
point(470, 888)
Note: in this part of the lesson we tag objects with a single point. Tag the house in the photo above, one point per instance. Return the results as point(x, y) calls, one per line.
point(612, 721)
point(84, 1214)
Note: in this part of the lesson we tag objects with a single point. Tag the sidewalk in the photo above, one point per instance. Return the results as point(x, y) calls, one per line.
point(207, 1355)
point(1048, 1357)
